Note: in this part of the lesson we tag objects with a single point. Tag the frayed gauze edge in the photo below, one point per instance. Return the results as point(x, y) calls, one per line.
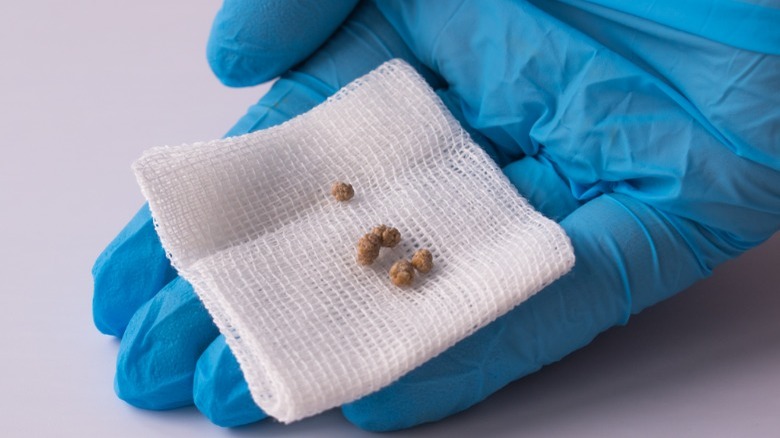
point(249, 222)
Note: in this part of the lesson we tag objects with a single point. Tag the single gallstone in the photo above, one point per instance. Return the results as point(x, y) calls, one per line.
point(368, 249)
point(422, 260)
point(342, 191)
point(402, 273)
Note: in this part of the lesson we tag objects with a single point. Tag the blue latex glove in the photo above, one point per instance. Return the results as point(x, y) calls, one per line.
point(653, 141)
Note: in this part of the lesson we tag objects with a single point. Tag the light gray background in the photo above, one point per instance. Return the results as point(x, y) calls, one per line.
point(85, 86)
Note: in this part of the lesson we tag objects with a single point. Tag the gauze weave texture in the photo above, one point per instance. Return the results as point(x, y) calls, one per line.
point(249, 221)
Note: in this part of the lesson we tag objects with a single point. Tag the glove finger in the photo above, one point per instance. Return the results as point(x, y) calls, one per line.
point(253, 41)
point(220, 391)
point(629, 256)
point(161, 346)
point(364, 41)
point(128, 273)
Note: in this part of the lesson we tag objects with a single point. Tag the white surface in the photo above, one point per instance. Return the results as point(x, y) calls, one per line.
point(705, 363)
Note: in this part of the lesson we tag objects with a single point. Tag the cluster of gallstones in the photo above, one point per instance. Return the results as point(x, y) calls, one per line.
point(402, 271)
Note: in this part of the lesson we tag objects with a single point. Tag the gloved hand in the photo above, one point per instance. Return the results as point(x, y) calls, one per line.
point(656, 150)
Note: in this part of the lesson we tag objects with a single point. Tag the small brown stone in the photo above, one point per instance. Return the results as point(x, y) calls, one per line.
point(389, 236)
point(379, 229)
point(342, 191)
point(402, 273)
point(422, 260)
point(368, 249)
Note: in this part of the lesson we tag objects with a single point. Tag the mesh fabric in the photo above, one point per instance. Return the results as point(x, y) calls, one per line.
point(249, 221)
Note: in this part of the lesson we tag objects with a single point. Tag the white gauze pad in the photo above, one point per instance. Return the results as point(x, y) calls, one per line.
point(250, 223)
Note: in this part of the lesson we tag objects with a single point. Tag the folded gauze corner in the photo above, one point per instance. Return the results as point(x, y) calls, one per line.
point(250, 223)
